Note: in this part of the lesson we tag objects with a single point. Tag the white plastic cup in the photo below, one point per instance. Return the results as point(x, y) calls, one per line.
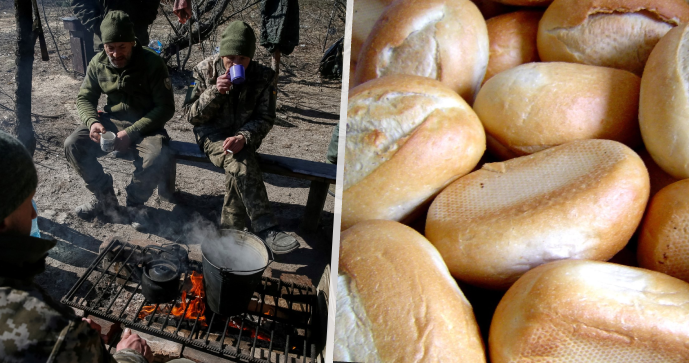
point(107, 141)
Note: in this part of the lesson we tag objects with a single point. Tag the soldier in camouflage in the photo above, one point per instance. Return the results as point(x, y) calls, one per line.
point(34, 327)
point(139, 103)
point(230, 122)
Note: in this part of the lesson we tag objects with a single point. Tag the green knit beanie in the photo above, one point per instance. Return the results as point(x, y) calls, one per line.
point(20, 179)
point(117, 27)
point(238, 39)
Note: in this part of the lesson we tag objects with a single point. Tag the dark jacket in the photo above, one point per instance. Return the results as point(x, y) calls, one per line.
point(34, 327)
point(140, 93)
point(141, 12)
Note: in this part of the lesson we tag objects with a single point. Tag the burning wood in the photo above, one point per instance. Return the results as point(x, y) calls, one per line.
point(196, 307)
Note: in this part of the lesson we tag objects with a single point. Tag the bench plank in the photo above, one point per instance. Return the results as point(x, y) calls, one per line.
point(320, 174)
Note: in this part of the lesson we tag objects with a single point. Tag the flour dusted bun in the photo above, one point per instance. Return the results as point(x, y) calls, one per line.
point(610, 33)
point(526, 2)
point(366, 13)
point(580, 200)
point(664, 103)
point(396, 301)
point(407, 138)
point(512, 39)
point(445, 40)
point(664, 238)
point(588, 311)
point(539, 105)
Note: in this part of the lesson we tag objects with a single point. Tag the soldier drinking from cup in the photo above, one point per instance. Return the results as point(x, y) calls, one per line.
point(139, 103)
point(230, 121)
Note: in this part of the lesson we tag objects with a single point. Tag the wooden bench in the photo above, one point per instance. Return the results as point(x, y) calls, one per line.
point(321, 176)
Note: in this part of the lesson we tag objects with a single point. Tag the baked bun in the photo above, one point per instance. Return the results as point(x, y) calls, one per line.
point(525, 2)
point(365, 14)
point(664, 103)
point(664, 238)
point(512, 39)
point(610, 33)
point(539, 105)
point(588, 311)
point(580, 200)
point(659, 178)
point(407, 138)
point(445, 40)
point(396, 301)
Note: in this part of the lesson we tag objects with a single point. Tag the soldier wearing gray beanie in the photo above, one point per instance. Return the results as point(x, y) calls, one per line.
point(20, 174)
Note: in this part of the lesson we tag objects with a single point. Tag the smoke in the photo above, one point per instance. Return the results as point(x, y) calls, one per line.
point(222, 248)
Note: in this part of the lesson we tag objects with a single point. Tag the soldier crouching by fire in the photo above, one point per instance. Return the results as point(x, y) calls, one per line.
point(230, 122)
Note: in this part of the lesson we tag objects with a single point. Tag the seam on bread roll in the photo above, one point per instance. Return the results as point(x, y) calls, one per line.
point(352, 319)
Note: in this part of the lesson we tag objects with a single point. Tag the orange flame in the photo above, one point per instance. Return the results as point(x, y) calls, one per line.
point(196, 307)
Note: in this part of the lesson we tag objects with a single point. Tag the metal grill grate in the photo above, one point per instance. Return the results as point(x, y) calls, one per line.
point(281, 311)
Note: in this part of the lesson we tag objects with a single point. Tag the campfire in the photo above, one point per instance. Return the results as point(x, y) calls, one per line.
point(195, 308)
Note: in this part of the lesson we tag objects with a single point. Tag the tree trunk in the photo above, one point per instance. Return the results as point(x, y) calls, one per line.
point(24, 57)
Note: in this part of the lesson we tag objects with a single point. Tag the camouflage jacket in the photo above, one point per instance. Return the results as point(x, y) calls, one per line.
point(247, 110)
point(90, 12)
point(140, 93)
point(35, 328)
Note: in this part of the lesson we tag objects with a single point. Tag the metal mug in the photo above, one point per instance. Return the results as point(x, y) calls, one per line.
point(107, 141)
point(237, 74)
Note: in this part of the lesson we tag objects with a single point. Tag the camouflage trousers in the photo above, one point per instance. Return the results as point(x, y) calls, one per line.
point(331, 155)
point(152, 160)
point(245, 193)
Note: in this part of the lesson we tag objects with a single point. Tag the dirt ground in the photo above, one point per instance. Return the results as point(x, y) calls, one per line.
point(308, 109)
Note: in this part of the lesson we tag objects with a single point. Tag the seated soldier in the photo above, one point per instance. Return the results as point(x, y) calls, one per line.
point(139, 103)
point(230, 121)
point(34, 327)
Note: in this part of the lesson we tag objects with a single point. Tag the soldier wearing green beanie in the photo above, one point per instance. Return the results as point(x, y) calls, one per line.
point(230, 122)
point(34, 327)
point(139, 103)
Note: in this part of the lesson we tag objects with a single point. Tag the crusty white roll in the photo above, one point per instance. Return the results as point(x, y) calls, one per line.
point(664, 238)
point(580, 200)
point(539, 105)
point(512, 39)
point(407, 138)
point(526, 2)
point(445, 40)
point(589, 311)
point(664, 103)
point(396, 301)
point(365, 15)
point(610, 33)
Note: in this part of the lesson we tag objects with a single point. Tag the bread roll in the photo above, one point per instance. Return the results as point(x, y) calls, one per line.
point(445, 40)
point(396, 301)
point(365, 14)
point(490, 8)
point(526, 2)
point(664, 239)
point(587, 311)
point(610, 33)
point(659, 178)
point(407, 138)
point(539, 105)
point(664, 103)
point(512, 39)
point(580, 200)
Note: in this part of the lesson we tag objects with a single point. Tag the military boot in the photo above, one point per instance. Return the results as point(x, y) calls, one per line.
point(102, 202)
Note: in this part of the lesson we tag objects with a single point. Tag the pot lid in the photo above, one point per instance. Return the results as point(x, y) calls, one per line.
point(161, 270)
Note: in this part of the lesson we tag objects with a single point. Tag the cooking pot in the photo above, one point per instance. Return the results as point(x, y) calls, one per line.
point(161, 271)
point(232, 269)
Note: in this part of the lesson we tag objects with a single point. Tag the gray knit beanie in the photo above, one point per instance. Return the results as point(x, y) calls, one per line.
point(20, 178)
point(117, 27)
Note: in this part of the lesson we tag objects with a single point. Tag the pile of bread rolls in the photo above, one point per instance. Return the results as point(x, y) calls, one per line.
point(516, 183)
